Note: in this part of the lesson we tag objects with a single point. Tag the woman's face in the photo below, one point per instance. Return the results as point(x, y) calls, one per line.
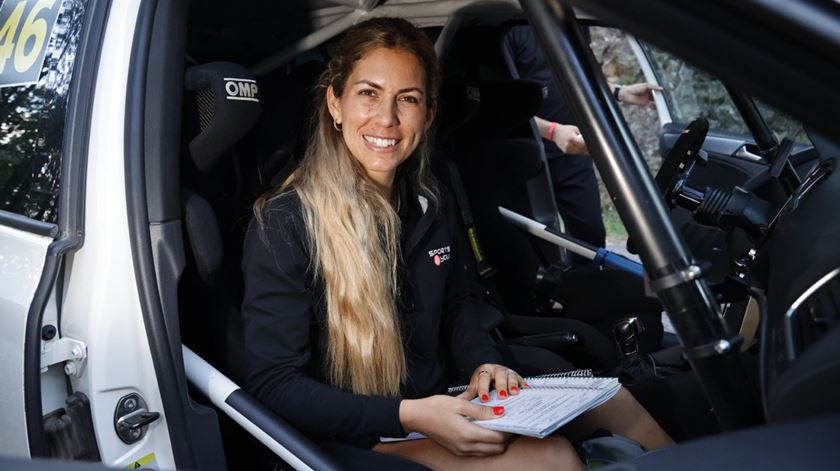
point(382, 112)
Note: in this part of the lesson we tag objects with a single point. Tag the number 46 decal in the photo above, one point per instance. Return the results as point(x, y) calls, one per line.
point(25, 27)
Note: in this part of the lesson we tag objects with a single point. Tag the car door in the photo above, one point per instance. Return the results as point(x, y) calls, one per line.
point(39, 46)
point(76, 358)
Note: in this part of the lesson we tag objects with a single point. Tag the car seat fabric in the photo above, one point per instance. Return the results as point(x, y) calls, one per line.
point(203, 234)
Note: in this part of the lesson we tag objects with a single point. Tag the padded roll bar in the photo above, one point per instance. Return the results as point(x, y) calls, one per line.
point(281, 438)
point(600, 256)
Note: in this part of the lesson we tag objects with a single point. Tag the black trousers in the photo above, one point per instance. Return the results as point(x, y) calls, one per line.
point(577, 195)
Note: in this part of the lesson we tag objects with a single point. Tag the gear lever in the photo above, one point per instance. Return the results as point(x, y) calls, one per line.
point(633, 363)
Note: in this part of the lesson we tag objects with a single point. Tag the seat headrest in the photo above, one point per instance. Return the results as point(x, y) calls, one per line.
point(490, 108)
point(460, 102)
point(228, 107)
point(506, 103)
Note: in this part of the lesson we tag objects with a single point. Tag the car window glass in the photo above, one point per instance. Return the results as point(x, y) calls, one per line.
point(692, 93)
point(33, 101)
point(782, 125)
point(620, 66)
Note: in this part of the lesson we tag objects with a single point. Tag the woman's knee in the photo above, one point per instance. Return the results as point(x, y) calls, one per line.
point(549, 453)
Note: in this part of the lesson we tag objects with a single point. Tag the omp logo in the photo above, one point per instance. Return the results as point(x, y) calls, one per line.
point(241, 89)
point(440, 255)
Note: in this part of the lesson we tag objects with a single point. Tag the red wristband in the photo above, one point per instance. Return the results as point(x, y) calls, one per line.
point(550, 132)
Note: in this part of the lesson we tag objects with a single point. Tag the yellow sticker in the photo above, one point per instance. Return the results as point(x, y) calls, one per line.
point(146, 462)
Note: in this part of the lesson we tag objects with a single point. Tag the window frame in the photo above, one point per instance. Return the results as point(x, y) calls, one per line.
point(68, 233)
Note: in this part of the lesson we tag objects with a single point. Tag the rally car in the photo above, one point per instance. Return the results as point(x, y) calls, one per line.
point(136, 135)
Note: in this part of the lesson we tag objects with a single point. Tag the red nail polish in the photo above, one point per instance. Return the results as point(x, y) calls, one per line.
point(485, 397)
point(498, 410)
point(502, 393)
point(514, 389)
point(525, 385)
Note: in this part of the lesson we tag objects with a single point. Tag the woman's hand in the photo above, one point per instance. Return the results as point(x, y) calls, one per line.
point(506, 380)
point(444, 419)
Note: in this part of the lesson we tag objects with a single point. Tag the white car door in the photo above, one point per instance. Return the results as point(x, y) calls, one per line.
point(79, 381)
point(39, 41)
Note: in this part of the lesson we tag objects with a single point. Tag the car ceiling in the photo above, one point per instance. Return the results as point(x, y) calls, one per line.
point(250, 31)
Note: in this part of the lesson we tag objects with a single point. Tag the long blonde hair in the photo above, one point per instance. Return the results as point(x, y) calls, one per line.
point(353, 229)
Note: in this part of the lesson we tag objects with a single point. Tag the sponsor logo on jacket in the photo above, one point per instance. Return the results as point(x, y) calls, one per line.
point(440, 255)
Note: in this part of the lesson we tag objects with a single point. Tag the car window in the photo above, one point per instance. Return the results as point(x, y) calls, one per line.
point(38, 42)
point(691, 93)
point(782, 125)
point(620, 66)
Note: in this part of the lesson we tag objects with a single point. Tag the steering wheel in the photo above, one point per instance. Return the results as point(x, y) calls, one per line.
point(681, 155)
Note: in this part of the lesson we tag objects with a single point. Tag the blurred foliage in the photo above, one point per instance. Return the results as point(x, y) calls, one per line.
point(620, 66)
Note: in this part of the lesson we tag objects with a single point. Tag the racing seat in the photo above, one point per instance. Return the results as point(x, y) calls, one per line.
point(222, 173)
point(235, 155)
point(502, 165)
point(226, 104)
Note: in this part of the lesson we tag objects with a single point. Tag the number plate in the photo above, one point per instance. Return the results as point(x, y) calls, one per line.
point(25, 30)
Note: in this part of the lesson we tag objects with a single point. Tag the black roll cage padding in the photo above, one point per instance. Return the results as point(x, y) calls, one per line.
point(690, 304)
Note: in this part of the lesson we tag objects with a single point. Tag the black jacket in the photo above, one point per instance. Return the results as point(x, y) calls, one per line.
point(285, 322)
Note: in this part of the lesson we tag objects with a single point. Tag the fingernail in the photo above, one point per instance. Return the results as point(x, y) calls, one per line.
point(514, 389)
point(502, 393)
point(498, 410)
point(525, 385)
point(485, 397)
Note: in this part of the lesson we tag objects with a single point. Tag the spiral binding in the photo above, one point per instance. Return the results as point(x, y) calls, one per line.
point(566, 374)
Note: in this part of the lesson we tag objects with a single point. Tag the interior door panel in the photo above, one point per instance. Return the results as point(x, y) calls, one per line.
point(729, 151)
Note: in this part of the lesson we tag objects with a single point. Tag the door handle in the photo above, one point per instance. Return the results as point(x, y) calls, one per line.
point(137, 419)
point(744, 152)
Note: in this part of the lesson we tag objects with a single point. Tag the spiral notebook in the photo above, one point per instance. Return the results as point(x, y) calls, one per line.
point(548, 403)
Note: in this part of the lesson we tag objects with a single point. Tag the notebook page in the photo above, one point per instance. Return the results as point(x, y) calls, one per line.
point(537, 412)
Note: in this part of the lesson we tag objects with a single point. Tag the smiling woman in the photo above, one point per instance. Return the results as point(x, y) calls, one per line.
point(383, 114)
point(357, 309)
